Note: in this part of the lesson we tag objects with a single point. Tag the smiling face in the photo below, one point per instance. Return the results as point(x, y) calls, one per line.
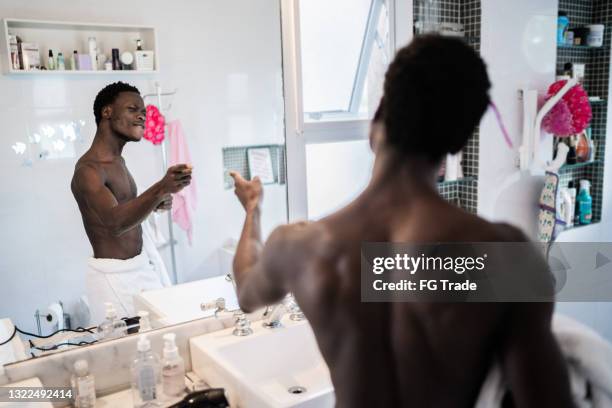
point(127, 116)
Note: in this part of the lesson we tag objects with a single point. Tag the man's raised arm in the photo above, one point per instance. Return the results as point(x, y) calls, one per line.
point(91, 192)
point(258, 280)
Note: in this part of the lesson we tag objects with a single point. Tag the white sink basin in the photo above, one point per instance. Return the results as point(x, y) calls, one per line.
point(257, 371)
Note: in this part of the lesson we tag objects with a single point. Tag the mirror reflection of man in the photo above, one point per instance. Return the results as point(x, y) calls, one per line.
point(125, 260)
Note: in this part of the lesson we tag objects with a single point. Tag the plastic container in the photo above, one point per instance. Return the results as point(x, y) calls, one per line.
point(173, 368)
point(111, 327)
point(595, 36)
point(562, 25)
point(83, 386)
point(585, 203)
point(146, 376)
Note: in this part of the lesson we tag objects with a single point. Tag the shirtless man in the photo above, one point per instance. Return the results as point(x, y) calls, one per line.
point(405, 354)
point(104, 188)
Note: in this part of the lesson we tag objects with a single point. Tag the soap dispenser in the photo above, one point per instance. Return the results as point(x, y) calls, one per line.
point(111, 327)
point(173, 368)
point(83, 385)
point(146, 378)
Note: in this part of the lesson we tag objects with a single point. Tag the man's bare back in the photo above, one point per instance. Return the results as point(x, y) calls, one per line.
point(406, 354)
point(409, 354)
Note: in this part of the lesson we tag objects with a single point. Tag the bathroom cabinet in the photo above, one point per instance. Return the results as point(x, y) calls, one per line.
point(65, 37)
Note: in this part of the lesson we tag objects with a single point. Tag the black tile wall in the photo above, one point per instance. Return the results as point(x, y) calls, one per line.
point(467, 12)
point(597, 60)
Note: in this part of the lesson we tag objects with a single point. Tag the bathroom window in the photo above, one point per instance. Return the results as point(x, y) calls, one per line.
point(336, 173)
point(345, 48)
point(335, 57)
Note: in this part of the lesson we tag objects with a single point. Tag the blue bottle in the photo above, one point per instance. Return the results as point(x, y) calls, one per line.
point(562, 26)
point(585, 203)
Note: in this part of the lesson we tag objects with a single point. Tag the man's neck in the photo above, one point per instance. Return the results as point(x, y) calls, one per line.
point(399, 173)
point(107, 144)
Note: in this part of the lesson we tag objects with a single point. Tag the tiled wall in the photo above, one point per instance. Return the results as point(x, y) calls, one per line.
point(467, 12)
point(597, 60)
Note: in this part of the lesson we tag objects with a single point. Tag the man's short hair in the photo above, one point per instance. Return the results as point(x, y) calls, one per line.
point(436, 91)
point(108, 95)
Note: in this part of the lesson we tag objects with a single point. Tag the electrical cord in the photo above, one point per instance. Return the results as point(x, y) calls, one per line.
point(56, 346)
point(16, 329)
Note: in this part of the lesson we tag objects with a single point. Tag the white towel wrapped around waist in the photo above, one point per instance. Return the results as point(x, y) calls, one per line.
point(118, 280)
point(589, 360)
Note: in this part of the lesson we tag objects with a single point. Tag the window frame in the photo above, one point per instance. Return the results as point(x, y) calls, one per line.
point(335, 128)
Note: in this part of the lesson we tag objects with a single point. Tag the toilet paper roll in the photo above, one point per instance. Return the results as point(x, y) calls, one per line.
point(54, 315)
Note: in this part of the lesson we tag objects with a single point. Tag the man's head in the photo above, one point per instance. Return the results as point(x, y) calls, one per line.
point(436, 91)
point(120, 107)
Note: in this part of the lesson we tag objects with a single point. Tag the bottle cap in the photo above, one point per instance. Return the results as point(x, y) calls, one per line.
point(81, 367)
point(143, 343)
point(170, 349)
point(585, 184)
point(50, 53)
point(110, 310)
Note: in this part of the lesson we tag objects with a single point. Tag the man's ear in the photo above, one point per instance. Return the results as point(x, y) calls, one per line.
point(107, 112)
point(377, 136)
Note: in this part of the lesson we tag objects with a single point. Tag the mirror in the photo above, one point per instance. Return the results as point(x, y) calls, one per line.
point(218, 68)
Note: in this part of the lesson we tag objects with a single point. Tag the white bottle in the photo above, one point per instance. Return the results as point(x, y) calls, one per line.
point(144, 323)
point(111, 327)
point(173, 368)
point(146, 376)
point(93, 52)
point(83, 386)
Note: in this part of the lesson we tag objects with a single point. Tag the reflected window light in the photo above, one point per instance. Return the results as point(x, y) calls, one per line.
point(59, 145)
point(82, 122)
point(19, 148)
point(47, 131)
point(35, 138)
point(68, 132)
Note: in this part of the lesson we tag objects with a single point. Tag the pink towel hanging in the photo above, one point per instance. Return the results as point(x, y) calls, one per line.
point(184, 202)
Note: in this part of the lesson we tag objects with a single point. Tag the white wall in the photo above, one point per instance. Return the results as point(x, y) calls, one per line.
point(519, 47)
point(224, 57)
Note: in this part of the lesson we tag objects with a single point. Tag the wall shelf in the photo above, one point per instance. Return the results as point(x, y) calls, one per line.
point(596, 83)
point(570, 167)
point(61, 36)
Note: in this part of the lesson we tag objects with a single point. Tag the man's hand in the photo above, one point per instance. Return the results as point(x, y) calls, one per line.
point(250, 193)
point(166, 204)
point(177, 178)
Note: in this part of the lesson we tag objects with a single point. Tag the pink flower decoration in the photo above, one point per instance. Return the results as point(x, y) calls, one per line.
point(571, 115)
point(154, 125)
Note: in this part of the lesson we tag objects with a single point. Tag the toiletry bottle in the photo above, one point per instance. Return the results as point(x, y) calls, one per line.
point(139, 45)
point(562, 25)
point(83, 386)
point(51, 61)
point(111, 327)
point(585, 202)
point(144, 323)
point(93, 52)
point(75, 60)
point(173, 368)
point(61, 65)
point(116, 61)
point(571, 155)
point(146, 378)
point(572, 210)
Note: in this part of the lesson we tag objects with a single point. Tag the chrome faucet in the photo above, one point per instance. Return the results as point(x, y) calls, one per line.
point(273, 314)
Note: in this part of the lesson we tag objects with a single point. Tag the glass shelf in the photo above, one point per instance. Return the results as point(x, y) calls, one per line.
point(599, 102)
point(459, 181)
point(569, 167)
point(579, 47)
point(581, 226)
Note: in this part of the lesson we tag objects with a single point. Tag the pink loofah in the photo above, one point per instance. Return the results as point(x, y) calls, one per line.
point(154, 125)
point(571, 115)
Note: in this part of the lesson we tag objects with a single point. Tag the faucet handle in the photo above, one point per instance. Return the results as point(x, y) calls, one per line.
point(295, 313)
point(242, 325)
